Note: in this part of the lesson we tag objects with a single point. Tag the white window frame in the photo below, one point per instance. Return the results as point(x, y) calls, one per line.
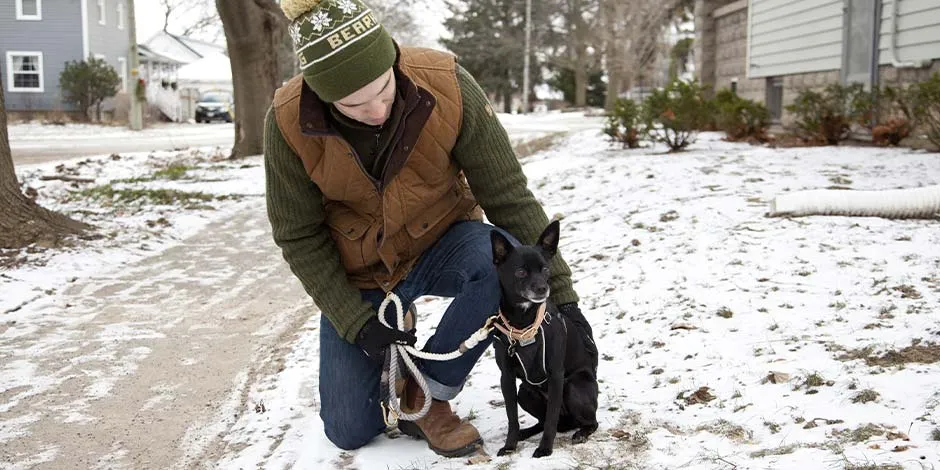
point(23, 17)
point(120, 15)
point(102, 12)
point(11, 84)
point(122, 72)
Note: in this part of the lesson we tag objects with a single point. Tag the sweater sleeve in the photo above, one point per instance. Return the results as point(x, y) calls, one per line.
point(485, 154)
point(295, 210)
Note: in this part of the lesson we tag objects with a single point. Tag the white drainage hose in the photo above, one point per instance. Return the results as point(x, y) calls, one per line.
point(911, 203)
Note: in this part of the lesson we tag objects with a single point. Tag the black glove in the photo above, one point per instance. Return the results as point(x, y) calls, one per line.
point(374, 338)
point(572, 312)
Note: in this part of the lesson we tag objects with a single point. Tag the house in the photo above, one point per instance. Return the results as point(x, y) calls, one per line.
point(768, 50)
point(178, 69)
point(37, 38)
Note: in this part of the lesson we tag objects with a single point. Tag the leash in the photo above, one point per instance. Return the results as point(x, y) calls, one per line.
point(393, 412)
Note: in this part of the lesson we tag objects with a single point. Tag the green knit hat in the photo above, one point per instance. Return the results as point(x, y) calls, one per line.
point(340, 44)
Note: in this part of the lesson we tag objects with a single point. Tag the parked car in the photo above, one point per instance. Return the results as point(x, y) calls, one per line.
point(215, 105)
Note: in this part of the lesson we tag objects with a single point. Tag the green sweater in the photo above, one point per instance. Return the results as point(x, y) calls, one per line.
point(484, 153)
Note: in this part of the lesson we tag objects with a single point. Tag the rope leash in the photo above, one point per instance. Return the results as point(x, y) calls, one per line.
point(392, 412)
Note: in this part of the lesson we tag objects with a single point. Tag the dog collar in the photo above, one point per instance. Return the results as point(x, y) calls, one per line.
point(524, 335)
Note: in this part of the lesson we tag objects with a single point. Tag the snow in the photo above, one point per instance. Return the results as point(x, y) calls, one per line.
point(659, 244)
point(212, 68)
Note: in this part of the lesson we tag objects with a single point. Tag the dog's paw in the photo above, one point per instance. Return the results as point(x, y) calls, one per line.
point(540, 452)
point(580, 437)
point(506, 451)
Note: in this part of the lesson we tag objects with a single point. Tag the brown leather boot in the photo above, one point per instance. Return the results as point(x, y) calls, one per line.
point(444, 431)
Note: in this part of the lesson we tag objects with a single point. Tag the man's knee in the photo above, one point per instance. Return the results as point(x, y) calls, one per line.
point(348, 435)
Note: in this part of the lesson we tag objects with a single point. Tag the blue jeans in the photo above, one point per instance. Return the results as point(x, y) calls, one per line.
point(458, 265)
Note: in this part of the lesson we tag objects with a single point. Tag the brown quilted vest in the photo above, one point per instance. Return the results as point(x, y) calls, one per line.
point(381, 227)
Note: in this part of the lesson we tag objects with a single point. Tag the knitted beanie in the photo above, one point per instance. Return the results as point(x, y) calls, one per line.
point(340, 45)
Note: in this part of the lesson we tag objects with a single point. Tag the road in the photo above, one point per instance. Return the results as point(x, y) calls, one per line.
point(38, 144)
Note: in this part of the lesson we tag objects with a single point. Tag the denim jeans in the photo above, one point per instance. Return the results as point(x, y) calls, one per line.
point(459, 265)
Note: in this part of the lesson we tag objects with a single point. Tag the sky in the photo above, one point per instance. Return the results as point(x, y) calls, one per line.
point(149, 15)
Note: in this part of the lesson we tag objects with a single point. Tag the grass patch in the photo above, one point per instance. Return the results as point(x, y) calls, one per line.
point(866, 396)
point(860, 434)
point(917, 352)
point(782, 450)
point(725, 312)
point(110, 195)
point(872, 466)
point(173, 172)
point(727, 429)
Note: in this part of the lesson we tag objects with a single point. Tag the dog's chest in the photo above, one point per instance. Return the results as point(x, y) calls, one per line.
point(528, 360)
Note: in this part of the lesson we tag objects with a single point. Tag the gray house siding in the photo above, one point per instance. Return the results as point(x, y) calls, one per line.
point(918, 31)
point(794, 36)
point(58, 36)
point(107, 40)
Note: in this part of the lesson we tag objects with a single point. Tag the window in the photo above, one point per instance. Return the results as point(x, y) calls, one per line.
point(774, 98)
point(29, 10)
point(24, 71)
point(101, 12)
point(120, 15)
point(122, 71)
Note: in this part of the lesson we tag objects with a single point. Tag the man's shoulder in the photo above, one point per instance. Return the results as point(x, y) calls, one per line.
point(427, 58)
point(288, 91)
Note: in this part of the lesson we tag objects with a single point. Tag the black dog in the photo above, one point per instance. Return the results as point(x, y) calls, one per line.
point(558, 365)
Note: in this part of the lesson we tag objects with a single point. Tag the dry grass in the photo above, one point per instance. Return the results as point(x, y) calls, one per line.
point(727, 429)
point(917, 352)
point(866, 396)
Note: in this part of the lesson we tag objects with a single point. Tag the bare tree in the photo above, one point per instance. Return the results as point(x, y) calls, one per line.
point(579, 20)
point(632, 33)
point(398, 18)
point(22, 221)
point(254, 32)
point(195, 18)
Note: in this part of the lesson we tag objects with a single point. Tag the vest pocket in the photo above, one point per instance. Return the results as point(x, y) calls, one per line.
point(348, 231)
point(427, 219)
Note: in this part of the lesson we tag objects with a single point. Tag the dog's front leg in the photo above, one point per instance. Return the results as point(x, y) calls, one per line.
point(507, 382)
point(556, 386)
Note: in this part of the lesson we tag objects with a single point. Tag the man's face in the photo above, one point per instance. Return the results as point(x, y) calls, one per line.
point(372, 103)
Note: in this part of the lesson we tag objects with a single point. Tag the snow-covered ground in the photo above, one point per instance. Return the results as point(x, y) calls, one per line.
point(728, 340)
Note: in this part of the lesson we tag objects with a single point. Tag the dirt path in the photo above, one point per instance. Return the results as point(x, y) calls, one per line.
point(122, 371)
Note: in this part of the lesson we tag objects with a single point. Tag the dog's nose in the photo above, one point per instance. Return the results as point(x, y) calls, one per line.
point(541, 290)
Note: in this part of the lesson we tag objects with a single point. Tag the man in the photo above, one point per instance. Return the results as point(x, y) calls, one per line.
point(378, 160)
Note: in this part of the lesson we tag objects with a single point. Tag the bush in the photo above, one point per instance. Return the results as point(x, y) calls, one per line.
point(87, 83)
point(740, 118)
point(623, 123)
point(674, 115)
point(920, 105)
point(827, 116)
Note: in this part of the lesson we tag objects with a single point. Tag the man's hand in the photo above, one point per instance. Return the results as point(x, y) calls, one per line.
point(573, 313)
point(374, 338)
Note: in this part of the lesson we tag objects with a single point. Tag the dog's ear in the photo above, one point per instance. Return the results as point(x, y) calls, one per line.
point(501, 247)
point(548, 240)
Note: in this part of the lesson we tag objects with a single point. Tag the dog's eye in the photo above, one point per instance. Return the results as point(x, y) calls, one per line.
point(520, 273)
point(546, 271)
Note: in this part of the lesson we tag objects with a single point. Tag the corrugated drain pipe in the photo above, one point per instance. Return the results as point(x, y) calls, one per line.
point(911, 203)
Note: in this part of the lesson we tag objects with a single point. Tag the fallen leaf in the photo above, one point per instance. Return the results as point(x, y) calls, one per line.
point(875, 447)
point(682, 326)
point(618, 433)
point(892, 435)
point(900, 448)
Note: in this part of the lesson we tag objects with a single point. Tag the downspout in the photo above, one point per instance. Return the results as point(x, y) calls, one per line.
point(895, 8)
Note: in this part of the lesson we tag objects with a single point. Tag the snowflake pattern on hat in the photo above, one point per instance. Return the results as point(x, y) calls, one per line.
point(313, 24)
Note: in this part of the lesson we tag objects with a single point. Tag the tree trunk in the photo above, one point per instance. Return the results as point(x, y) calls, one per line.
point(580, 85)
point(254, 30)
point(22, 221)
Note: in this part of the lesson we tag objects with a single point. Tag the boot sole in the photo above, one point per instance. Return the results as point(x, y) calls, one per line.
point(409, 428)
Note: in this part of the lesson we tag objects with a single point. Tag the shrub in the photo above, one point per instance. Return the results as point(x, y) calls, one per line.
point(87, 83)
point(674, 115)
point(920, 105)
point(741, 118)
point(623, 123)
point(826, 116)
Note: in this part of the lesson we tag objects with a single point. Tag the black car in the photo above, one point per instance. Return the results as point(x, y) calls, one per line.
point(215, 105)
